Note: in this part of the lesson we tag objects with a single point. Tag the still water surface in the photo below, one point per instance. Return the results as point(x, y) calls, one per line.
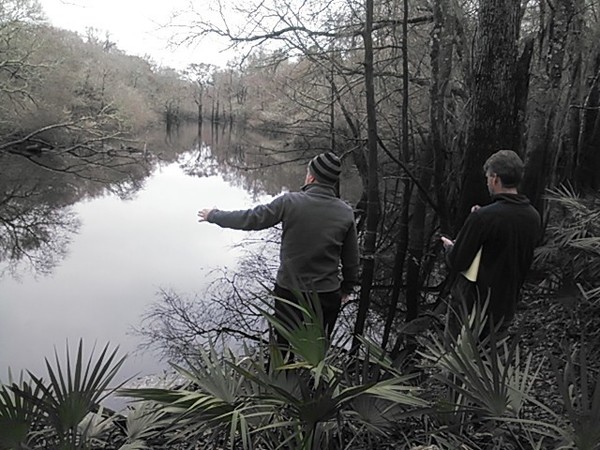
point(123, 253)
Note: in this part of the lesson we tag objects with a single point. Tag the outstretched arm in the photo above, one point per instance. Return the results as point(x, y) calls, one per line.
point(258, 218)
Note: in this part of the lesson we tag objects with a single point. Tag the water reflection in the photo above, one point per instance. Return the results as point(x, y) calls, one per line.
point(110, 247)
point(36, 218)
point(36, 224)
point(248, 159)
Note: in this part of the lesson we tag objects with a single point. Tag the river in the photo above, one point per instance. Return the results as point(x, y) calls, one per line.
point(123, 251)
point(116, 248)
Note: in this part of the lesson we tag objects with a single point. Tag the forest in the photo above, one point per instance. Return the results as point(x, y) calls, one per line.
point(414, 96)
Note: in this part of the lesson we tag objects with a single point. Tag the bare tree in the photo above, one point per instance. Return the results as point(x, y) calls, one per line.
point(201, 75)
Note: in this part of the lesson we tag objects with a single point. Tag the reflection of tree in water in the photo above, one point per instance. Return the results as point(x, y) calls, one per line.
point(199, 162)
point(254, 162)
point(33, 232)
point(37, 191)
point(177, 324)
point(36, 220)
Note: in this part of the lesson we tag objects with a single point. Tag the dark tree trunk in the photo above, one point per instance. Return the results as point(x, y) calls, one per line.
point(416, 235)
point(522, 92)
point(588, 160)
point(542, 140)
point(370, 239)
point(398, 268)
point(492, 123)
point(442, 46)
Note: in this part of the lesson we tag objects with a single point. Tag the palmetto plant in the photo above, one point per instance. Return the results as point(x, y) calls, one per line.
point(581, 398)
point(19, 416)
point(52, 413)
point(259, 400)
point(487, 379)
point(580, 390)
point(571, 254)
point(141, 425)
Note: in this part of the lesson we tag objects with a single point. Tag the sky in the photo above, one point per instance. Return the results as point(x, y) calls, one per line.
point(137, 27)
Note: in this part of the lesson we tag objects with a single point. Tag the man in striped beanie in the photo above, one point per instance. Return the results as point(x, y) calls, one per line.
point(319, 235)
point(326, 168)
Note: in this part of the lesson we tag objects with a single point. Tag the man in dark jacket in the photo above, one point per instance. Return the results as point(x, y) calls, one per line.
point(494, 249)
point(319, 234)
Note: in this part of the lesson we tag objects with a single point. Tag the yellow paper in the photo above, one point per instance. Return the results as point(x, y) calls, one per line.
point(471, 273)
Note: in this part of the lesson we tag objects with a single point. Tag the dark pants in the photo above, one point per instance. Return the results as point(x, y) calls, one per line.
point(328, 302)
point(464, 295)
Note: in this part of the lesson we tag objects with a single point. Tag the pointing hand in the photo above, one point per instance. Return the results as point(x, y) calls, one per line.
point(203, 214)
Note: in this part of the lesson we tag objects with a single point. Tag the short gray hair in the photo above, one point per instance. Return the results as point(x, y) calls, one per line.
point(507, 165)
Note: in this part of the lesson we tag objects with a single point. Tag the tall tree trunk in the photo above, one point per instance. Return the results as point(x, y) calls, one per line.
point(442, 45)
point(522, 79)
point(199, 104)
point(398, 268)
point(332, 108)
point(415, 243)
point(492, 123)
point(542, 141)
point(588, 164)
point(370, 240)
point(566, 128)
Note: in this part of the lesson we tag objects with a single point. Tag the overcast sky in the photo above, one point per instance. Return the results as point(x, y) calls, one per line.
point(137, 26)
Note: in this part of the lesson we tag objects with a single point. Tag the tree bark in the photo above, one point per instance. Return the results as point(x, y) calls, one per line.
point(588, 165)
point(442, 45)
point(493, 122)
point(398, 268)
point(542, 140)
point(370, 240)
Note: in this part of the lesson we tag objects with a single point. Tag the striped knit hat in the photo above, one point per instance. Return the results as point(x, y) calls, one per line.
point(326, 168)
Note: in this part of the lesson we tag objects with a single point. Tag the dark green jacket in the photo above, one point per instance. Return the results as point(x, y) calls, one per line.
point(318, 235)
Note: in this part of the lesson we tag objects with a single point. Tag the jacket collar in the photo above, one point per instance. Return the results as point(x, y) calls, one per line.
point(319, 188)
point(511, 198)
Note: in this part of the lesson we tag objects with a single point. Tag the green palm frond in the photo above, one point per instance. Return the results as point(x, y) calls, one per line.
point(591, 294)
point(143, 420)
point(572, 242)
point(135, 445)
point(214, 398)
point(376, 414)
point(587, 243)
point(95, 428)
point(486, 376)
point(307, 337)
point(256, 400)
point(18, 414)
point(75, 389)
point(581, 399)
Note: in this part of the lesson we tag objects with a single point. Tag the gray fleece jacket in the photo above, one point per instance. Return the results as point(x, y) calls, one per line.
point(319, 233)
